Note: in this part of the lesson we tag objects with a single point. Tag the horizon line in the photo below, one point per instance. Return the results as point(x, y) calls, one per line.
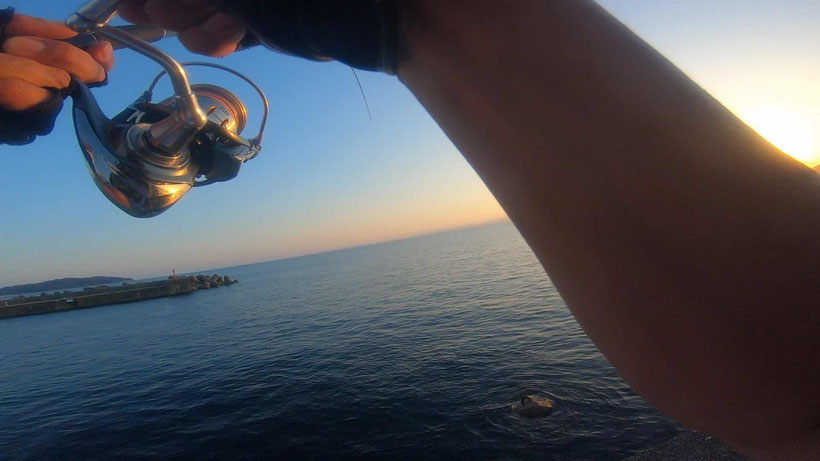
point(353, 247)
point(303, 255)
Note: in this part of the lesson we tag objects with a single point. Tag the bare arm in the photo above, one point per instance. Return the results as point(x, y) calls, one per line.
point(686, 246)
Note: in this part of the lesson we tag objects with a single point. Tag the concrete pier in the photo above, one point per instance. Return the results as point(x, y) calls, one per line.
point(105, 295)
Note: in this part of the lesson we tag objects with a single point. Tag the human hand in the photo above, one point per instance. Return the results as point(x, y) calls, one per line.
point(200, 26)
point(33, 59)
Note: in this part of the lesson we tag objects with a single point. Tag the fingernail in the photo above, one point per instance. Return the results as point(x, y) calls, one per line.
point(24, 46)
point(108, 51)
point(101, 74)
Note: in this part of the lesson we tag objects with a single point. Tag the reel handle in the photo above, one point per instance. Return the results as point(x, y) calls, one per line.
point(93, 15)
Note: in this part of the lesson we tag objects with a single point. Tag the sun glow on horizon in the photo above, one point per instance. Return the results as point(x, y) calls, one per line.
point(787, 130)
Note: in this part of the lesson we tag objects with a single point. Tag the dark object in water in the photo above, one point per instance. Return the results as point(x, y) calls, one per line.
point(532, 406)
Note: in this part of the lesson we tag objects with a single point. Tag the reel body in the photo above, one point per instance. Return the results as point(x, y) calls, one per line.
point(140, 182)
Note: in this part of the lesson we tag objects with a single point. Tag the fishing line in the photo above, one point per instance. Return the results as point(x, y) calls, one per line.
point(362, 91)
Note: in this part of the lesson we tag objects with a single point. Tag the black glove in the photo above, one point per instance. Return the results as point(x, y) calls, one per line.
point(360, 33)
point(23, 127)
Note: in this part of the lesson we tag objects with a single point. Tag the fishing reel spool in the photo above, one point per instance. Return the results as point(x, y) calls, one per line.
point(218, 148)
point(147, 157)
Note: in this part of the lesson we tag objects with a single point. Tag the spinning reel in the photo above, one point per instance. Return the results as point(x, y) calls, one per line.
point(147, 157)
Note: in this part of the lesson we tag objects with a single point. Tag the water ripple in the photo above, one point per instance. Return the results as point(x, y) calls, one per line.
point(407, 350)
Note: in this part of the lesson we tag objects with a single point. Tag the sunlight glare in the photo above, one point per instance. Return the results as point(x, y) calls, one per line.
point(787, 130)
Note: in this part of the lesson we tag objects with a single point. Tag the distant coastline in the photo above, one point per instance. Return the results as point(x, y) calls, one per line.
point(61, 284)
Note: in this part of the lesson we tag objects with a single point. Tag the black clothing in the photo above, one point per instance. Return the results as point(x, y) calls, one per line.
point(359, 33)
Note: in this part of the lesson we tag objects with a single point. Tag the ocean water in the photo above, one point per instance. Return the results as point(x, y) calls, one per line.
point(406, 350)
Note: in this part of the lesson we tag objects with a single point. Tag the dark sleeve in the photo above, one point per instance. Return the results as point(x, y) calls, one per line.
point(22, 127)
point(360, 33)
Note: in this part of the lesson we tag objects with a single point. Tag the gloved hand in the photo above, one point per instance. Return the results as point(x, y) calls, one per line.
point(33, 60)
point(360, 33)
point(34, 73)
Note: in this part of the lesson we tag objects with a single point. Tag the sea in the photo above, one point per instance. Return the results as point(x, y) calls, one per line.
point(412, 349)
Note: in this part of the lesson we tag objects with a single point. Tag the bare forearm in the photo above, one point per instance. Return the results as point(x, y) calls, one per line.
point(686, 245)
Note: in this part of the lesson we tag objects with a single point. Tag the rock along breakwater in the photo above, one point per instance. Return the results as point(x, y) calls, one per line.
point(104, 295)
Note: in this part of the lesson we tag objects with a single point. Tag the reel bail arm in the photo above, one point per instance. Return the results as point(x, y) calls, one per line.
point(256, 141)
point(93, 15)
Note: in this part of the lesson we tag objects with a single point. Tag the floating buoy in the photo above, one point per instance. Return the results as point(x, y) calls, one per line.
point(532, 406)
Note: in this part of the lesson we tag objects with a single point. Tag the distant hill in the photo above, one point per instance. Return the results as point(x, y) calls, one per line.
point(60, 284)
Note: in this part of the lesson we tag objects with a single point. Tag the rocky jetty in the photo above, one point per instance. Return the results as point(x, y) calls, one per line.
point(103, 295)
point(203, 282)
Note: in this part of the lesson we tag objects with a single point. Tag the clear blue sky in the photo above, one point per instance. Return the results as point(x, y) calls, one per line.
point(329, 177)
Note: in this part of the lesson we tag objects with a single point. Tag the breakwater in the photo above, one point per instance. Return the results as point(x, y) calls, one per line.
point(104, 295)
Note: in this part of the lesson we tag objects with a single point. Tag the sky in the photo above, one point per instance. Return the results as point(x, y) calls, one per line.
point(329, 177)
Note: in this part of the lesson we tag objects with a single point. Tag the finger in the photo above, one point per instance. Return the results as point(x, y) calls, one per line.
point(133, 11)
point(179, 15)
point(57, 54)
point(26, 25)
point(217, 36)
point(103, 53)
point(32, 72)
point(18, 95)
